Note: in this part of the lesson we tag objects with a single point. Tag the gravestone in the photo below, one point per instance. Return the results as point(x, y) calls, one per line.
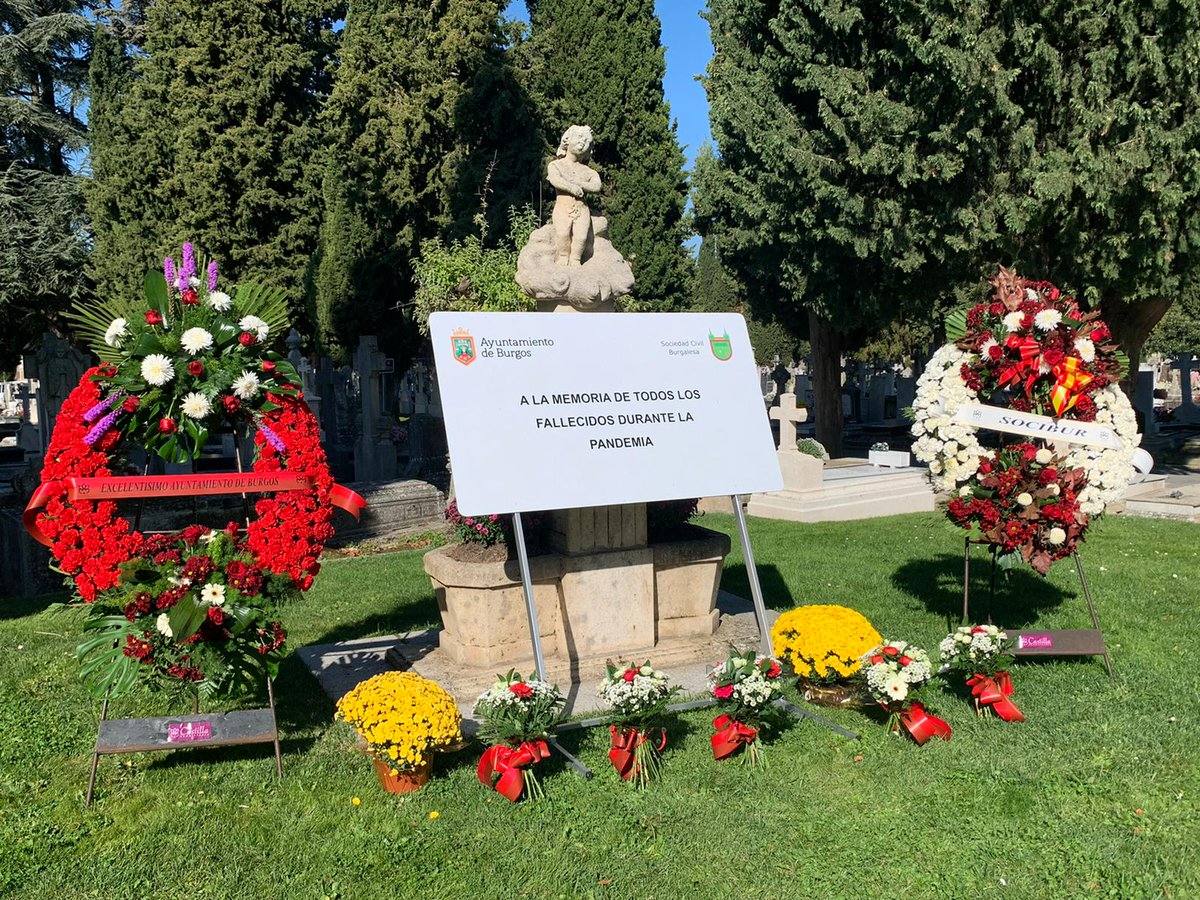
point(374, 451)
point(1143, 400)
point(1187, 412)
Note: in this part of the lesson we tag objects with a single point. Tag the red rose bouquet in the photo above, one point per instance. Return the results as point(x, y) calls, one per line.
point(516, 715)
point(983, 653)
point(893, 672)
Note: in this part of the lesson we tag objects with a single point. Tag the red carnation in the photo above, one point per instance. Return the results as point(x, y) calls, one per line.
point(775, 671)
point(167, 425)
point(190, 297)
point(876, 659)
point(905, 660)
point(215, 615)
point(1053, 357)
point(195, 368)
point(130, 404)
point(1100, 333)
point(890, 651)
point(268, 367)
point(997, 309)
point(985, 466)
point(521, 689)
point(629, 675)
point(231, 403)
point(246, 339)
point(723, 692)
point(153, 317)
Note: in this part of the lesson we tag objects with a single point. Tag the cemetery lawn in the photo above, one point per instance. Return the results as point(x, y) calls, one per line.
point(1098, 793)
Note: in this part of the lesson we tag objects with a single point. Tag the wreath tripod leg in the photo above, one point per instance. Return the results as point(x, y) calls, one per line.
point(275, 728)
point(95, 757)
point(1091, 605)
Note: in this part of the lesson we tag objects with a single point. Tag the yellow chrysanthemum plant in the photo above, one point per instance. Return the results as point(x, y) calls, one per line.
point(403, 719)
point(823, 643)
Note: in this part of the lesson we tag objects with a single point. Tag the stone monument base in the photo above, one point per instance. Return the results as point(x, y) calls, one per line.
point(849, 489)
point(655, 601)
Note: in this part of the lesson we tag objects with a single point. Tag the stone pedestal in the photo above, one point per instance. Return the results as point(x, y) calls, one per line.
point(596, 528)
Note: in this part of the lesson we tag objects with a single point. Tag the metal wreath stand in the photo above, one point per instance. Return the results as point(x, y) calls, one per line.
point(760, 616)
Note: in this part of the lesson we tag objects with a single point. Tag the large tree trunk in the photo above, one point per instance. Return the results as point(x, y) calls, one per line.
point(1131, 324)
point(826, 382)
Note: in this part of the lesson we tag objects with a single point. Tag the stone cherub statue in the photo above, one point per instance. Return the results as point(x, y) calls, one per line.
point(569, 263)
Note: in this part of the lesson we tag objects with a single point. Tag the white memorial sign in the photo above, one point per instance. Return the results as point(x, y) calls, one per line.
point(559, 410)
point(997, 418)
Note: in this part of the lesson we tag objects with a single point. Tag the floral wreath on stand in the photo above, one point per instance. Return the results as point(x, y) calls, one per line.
point(198, 606)
point(1033, 349)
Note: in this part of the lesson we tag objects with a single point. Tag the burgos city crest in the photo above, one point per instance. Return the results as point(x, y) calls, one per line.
point(722, 349)
point(463, 346)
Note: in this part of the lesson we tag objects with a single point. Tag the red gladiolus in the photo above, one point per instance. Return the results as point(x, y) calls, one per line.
point(246, 339)
point(153, 317)
point(195, 368)
point(231, 403)
point(521, 689)
point(190, 297)
point(130, 404)
point(167, 425)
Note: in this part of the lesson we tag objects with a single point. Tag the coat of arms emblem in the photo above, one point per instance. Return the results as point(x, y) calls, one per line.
point(463, 346)
point(721, 347)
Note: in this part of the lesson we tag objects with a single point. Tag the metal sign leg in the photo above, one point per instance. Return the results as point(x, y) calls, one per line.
point(760, 614)
point(535, 634)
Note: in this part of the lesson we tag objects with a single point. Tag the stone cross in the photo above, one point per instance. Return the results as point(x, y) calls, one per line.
point(788, 415)
point(1187, 411)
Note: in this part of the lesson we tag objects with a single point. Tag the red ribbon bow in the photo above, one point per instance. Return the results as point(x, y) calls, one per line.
point(625, 742)
point(731, 735)
point(1026, 366)
point(1069, 386)
point(922, 724)
point(994, 692)
point(508, 763)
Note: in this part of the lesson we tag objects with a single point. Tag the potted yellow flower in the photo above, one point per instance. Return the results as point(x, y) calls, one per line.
point(824, 644)
point(403, 719)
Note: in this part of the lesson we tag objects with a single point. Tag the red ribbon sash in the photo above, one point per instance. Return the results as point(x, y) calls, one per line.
point(501, 766)
point(127, 487)
point(994, 692)
point(731, 735)
point(625, 742)
point(922, 724)
point(1026, 367)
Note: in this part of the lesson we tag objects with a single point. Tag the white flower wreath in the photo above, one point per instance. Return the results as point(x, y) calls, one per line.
point(952, 449)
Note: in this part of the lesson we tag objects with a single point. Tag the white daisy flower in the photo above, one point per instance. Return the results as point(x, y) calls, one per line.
point(157, 370)
point(255, 324)
point(163, 624)
point(1056, 536)
point(1047, 319)
point(246, 386)
point(194, 340)
point(1012, 322)
point(896, 687)
point(196, 406)
point(220, 301)
point(115, 333)
point(213, 594)
point(1086, 349)
point(1024, 498)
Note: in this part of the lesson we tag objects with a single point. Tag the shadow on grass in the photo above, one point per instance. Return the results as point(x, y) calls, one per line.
point(1019, 600)
point(776, 593)
point(405, 617)
point(20, 607)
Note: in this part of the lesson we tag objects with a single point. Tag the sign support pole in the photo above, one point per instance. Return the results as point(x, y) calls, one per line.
point(535, 633)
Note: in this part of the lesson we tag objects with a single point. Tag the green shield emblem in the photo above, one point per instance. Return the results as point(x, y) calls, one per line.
point(721, 348)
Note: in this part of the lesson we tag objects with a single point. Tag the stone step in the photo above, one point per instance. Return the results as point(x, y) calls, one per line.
point(1186, 508)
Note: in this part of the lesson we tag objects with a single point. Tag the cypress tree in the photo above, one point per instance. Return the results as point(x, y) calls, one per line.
point(426, 126)
point(601, 63)
point(43, 238)
point(210, 135)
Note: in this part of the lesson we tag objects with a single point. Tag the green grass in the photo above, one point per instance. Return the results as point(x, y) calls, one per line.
point(1096, 794)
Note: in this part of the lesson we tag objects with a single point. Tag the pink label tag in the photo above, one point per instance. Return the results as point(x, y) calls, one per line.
point(186, 732)
point(1035, 642)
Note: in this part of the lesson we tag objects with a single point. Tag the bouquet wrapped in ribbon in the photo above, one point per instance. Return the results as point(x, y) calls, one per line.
point(893, 672)
point(983, 653)
point(639, 696)
point(515, 716)
point(745, 686)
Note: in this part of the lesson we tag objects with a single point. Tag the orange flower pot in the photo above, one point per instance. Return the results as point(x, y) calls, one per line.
point(402, 782)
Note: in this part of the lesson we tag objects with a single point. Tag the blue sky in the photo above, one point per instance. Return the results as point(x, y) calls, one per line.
point(685, 35)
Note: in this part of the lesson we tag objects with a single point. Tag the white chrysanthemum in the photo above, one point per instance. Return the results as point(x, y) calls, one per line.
point(986, 347)
point(196, 406)
point(194, 340)
point(1044, 455)
point(1024, 498)
point(1109, 470)
point(1047, 319)
point(114, 335)
point(213, 594)
point(1086, 349)
point(157, 370)
point(255, 324)
point(1012, 322)
point(220, 301)
point(163, 624)
point(1056, 536)
point(246, 386)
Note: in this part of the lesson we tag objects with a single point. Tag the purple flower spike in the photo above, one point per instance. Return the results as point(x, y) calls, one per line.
point(98, 430)
point(212, 276)
point(102, 407)
point(189, 261)
point(272, 438)
point(169, 270)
